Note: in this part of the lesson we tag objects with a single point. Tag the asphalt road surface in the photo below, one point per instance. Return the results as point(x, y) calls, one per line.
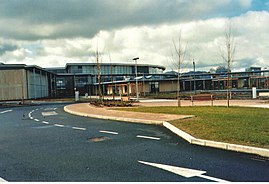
point(43, 143)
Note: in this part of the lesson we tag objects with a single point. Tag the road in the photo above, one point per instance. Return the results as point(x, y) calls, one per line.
point(43, 143)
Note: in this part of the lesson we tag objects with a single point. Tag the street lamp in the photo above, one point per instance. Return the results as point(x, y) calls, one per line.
point(136, 82)
point(194, 83)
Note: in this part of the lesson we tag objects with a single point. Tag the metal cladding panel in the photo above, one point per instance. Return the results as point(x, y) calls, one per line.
point(37, 85)
point(12, 84)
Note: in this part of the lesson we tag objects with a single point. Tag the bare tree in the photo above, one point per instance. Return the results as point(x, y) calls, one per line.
point(98, 73)
point(228, 57)
point(180, 51)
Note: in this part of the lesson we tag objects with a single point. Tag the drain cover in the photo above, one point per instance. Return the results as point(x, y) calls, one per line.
point(97, 139)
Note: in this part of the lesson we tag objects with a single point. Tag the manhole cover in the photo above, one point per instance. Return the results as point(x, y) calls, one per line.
point(97, 139)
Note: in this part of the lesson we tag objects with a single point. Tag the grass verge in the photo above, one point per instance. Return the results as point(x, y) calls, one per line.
point(238, 125)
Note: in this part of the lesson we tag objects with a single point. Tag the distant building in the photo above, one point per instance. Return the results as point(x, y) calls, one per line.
point(253, 69)
point(222, 70)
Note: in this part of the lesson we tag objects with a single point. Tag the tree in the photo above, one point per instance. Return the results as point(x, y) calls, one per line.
point(180, 54)
point(98, 73)
point(228, 56)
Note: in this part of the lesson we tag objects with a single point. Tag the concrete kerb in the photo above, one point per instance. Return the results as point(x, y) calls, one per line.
point(221, 145)
point(133, 120)
point(192, 140)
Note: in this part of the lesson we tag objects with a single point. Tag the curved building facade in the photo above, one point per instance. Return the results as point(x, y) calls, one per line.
point(83, 76)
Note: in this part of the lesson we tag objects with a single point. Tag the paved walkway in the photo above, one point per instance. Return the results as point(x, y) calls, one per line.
point(85, 109)
point(242, 103)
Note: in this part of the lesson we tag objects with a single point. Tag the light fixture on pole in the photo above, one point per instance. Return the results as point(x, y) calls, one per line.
point(136, 82)
point(194, 83)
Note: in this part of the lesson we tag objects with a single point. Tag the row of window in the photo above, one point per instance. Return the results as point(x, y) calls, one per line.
point(106, 70)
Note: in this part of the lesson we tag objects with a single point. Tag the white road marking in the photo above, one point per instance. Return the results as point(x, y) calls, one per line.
point(147, 137)
point(2, 180)
point(51, 113)
point(185, 172)
point(6, 111)
point(78, 128)
point(108, 132)
point(31, 118)
point(58, 125)
point(45, 122)
point(212, 178)
point(50, 108)
point(36, 120)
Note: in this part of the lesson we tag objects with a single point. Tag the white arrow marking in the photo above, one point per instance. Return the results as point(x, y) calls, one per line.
point(2, 180)
point(185, 172)
point(5, 111)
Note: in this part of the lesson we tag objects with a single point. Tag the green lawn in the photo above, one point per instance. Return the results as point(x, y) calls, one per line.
point(240, 125)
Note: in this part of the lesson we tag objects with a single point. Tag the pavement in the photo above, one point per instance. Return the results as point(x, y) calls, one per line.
point(87, 110)
point(241, 103)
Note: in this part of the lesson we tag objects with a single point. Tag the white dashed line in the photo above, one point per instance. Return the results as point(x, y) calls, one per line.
point(45, 122)
point(58, 125)
point(5, 111)
point(31, 117)
point(37, 120)
point(108, 132)
point(147, 137)
point(78, 128)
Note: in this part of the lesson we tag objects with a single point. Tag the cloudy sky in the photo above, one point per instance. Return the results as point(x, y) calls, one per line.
point(51, 33)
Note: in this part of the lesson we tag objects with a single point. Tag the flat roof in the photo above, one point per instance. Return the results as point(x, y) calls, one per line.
point(20, 66)
point(114, 64)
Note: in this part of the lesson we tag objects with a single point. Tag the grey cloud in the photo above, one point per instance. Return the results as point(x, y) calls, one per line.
point(84, 18)
point(7, 47)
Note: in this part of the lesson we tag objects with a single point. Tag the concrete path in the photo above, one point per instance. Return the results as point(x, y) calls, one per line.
point(242, 103)
point(85, 109)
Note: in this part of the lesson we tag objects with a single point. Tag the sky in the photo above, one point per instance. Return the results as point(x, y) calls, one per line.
point(51, 33)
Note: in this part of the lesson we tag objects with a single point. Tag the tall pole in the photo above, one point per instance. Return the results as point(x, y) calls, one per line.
point(136, 82)
point(178, 82)
point(194, 82)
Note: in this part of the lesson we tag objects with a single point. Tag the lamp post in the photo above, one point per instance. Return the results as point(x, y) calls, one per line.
point(194, 83)
point(136, 82)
